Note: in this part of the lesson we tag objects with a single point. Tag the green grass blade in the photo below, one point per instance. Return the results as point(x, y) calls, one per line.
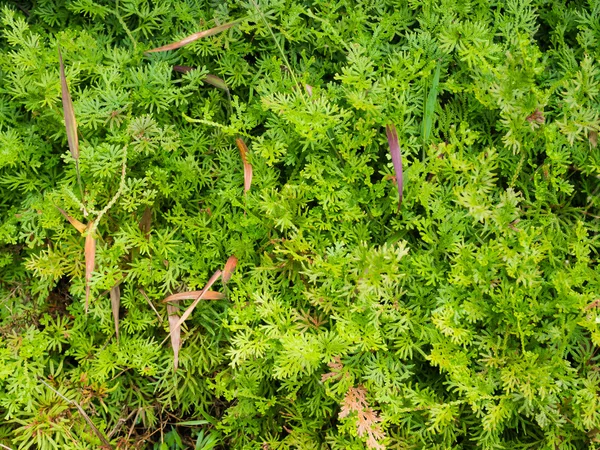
point(430, 104)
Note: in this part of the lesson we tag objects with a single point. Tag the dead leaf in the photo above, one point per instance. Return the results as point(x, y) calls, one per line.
point(536, 117)
point(216, 82)
point(193, 37)
point(146, 222)
point(593, 138)
point(309, 89)
point(213, 80)
point(76, 223)
point(208, 295)
point(392, 137)
point(191, 308)
point(247, 167)
point(115, 304)
point(183, 69)
point(174, 331)
point(229, 268)
point(69, 112)
point(90, 262)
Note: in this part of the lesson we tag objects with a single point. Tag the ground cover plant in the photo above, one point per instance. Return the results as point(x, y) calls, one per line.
point(374, 223)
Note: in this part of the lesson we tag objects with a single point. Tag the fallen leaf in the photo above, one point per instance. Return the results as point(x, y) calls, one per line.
point(183, 69)
point(593, 138)
point(208, 79)
point(146, 222)
point(229, 268)
point(193, 37)
point(90, 262)
point(216, 82)
point(76, 223)
point(191, 308)
point(115, 304)
point(392, 137)
point(208, 295)
point(537, 116)
point(247, 167)
point(69, 112)
point(174, 331)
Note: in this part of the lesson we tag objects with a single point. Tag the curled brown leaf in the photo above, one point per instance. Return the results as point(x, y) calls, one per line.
point(229, 268)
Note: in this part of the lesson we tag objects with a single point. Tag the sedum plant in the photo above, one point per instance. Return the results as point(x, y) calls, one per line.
point(460, 312)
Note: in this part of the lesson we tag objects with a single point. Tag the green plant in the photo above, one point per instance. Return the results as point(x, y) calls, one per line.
point(466, 318)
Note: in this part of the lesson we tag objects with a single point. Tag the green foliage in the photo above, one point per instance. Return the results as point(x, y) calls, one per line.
point(469, 318)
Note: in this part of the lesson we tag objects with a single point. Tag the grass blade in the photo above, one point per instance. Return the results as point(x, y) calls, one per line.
point(193, 37)
point(247, 167)
point(76, 223)
point(192, 295)
point(69, 112)
point(392, 137)
point(115, 304)
point(430, 104)
point(191, 308)
point(229, 268)
point(174, 332)
point(90, 262)
point(213, 80)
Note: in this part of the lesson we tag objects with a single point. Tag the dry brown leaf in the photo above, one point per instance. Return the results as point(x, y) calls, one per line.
point(69, 112)
point(115, 304)
point(191, 308)
point(76, 223)
point(215, 81)
point(593, 138)
point(193, 37)
point(208, 295)
point(208, 79)
point(247, 167)
point(229, 268)
point(90, 262)
point(183, 69)
point(393, 142)
point(174, 331)
point(146, 222)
